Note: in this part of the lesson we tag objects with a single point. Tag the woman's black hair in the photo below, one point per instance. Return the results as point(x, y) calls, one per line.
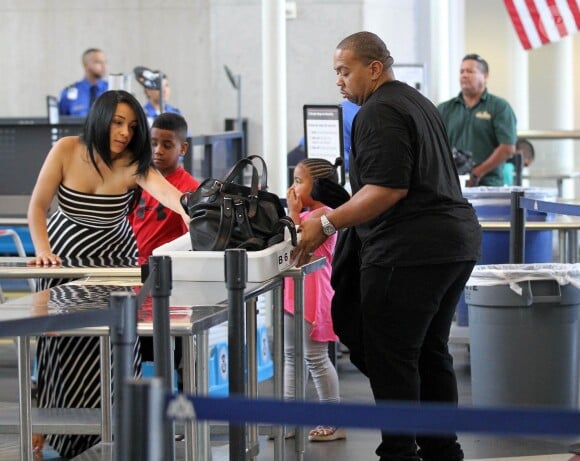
point(97, 129)
point(325, 187)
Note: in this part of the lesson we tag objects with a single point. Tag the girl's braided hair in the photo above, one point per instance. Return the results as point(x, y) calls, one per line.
point(321, 168)
point(325, 187)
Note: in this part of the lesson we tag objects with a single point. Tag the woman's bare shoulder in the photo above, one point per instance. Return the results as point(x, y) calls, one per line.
point(66, 146)
point(68, 142)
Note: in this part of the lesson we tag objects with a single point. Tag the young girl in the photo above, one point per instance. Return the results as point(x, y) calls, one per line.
point(320, 175)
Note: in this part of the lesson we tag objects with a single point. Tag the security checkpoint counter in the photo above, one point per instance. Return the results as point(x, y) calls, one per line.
point(17, 317)
point(194, 308)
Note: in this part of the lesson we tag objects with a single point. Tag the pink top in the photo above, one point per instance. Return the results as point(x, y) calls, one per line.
point(317, 293)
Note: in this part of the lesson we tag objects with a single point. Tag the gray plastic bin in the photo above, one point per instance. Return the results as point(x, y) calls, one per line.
point(494, 204)
point(524, 330)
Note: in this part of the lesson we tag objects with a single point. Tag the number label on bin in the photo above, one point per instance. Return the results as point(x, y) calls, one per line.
point(283, 259)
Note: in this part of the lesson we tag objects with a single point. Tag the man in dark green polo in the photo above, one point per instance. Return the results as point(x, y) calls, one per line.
point(481, 123)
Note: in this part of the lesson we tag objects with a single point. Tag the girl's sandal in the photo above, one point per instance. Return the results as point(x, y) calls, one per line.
point(326, 434)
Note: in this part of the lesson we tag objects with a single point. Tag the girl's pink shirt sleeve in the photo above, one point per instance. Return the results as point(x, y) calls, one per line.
point(317, 293)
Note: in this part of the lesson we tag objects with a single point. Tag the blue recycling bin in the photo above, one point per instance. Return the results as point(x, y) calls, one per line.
point(494, 204)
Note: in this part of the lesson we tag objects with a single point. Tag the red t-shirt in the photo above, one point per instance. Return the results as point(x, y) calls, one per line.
point(153, 224)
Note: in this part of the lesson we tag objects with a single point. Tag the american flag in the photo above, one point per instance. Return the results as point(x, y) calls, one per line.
point(539, 22)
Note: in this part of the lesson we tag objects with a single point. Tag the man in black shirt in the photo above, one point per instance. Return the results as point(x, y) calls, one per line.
point(419, 240)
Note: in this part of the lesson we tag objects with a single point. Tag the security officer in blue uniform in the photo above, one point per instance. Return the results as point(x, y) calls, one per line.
point(349, 110)
point(153, 106)
point(76, 99)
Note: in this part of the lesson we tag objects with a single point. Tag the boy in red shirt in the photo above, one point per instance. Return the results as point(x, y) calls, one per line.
point(153, 224)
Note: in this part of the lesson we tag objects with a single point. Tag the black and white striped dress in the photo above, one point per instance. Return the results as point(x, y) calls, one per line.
point(86, 230)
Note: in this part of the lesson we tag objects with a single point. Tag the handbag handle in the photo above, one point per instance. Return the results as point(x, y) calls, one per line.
point(237, 169)
point(264, 175)
point(241, 164)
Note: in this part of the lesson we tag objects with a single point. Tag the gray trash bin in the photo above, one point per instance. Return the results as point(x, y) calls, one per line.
point(524, 330)
point(494, 204)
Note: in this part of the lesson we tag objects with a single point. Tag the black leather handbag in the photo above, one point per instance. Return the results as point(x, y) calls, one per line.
point(225, 214)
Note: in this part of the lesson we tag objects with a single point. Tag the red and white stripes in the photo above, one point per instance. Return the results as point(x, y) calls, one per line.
point(539, 22)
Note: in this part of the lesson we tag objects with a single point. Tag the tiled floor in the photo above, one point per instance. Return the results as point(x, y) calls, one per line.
point(359, 445)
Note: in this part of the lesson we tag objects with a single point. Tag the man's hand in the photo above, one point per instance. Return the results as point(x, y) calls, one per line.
point(311, 237)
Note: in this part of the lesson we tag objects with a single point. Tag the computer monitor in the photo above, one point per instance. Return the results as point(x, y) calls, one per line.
point(24, 144)
point(23, 148)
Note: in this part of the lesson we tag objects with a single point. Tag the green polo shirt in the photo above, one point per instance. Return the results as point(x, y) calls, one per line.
point(480, 129)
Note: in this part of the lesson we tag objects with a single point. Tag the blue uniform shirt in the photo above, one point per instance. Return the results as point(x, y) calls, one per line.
point(151, 112)
point(349, 110)
point(75, 99)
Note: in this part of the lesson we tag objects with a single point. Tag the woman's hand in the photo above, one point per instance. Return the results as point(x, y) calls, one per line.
point(45, 258)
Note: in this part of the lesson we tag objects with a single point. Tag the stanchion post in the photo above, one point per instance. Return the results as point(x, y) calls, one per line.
point(278, 333)
point(23, 345)
point(236, 276)
point(518, 159)
point(123, 337)
point(517, 229)
point(160, 270)
point(147, 420)
point(252, 365)
point(300, 389)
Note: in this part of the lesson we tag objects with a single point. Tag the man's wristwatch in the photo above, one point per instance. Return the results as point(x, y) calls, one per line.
point(473, 178)
point(327, 227)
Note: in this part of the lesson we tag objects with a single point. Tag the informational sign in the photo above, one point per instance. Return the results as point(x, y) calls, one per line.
point(323, 132)
point(411, 74)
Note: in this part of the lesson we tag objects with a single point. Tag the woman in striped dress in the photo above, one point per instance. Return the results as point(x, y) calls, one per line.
point(94, 177)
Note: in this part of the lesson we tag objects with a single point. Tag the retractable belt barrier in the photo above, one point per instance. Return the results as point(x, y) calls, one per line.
point(394, 417)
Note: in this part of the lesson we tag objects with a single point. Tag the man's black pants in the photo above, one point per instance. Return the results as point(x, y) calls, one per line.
point(407, 314)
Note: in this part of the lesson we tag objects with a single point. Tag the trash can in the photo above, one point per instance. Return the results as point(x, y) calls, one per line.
point(524, 330)
point(494, 204)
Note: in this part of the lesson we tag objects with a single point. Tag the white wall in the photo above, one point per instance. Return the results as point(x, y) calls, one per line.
point(540, 85)
point(311, 40)
point(43, 42)
point(191, 40)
